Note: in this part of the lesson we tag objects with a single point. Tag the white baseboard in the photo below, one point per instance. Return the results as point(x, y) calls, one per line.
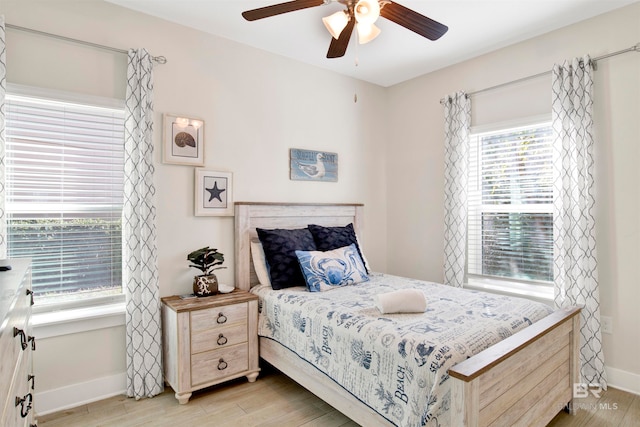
point(623, 380)
point(73, 395)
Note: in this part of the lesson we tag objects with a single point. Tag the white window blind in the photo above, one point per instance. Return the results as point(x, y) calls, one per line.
point(510, 223)
point(64, 195)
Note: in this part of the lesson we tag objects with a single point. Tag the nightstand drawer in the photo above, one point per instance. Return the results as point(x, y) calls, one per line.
point(217, 364)
point(204, 320)
point(215, 338)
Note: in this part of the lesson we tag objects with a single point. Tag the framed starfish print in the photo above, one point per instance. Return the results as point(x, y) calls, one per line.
point(214, 195)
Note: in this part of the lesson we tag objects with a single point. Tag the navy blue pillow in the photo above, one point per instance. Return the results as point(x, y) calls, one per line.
point(280, 246)
point(330, 238)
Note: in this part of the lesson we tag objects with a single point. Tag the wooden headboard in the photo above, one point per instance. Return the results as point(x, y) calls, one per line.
point(248, 216)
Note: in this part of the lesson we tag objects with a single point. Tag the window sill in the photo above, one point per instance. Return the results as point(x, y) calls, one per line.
point(72, 321)
point(541, 294)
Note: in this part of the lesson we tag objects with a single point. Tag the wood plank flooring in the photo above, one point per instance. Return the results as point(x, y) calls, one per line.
point(275, 400)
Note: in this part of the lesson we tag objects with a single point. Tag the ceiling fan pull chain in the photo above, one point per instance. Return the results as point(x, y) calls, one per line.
point(355, 63)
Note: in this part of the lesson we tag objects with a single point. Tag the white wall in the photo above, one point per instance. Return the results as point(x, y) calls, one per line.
point(255, 106)
point(415, 169)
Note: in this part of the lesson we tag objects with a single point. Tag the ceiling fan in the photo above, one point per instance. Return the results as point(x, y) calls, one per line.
point(360, 14)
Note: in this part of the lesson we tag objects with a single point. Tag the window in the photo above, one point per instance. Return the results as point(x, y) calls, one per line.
point(64, 193)
point(510, 223)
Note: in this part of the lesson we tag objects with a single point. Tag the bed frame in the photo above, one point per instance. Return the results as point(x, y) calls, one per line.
point(525, 379)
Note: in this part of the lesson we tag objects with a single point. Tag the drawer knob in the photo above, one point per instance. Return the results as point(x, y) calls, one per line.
point(222, 365)
point(28, 399)
point(221, 318)
point(222, 340)
point(23, 337)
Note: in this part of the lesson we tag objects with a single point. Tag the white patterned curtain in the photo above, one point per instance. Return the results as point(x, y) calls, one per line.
point(575, 267)
point(140, 259)
point(457, 117)
point(3, 92)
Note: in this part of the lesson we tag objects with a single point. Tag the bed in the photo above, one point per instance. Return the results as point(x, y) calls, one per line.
point(524, 379)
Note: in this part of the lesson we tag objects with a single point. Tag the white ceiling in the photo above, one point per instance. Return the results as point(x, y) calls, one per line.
point(398, 54)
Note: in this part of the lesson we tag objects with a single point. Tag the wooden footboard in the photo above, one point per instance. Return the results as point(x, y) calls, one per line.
point(525, 379)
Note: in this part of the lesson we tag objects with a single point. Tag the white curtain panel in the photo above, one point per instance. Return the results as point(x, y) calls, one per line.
point(457, 118)
point(575, 266)
point(3, 92)
point(139, 250)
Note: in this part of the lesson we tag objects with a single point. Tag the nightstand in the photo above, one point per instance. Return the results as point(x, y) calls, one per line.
point(209, 340)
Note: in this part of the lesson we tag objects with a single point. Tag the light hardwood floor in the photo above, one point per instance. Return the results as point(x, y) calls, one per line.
point(275, 400)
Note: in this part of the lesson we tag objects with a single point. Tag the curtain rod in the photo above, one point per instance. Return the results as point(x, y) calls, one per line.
point(158, 59)
point(635, 48)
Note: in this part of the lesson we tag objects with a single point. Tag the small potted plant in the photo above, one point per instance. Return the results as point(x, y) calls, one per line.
point(206, 260)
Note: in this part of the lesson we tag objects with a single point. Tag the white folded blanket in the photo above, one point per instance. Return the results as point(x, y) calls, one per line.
point(401, 301)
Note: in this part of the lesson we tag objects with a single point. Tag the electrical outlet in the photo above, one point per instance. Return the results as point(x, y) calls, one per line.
point(607, 324)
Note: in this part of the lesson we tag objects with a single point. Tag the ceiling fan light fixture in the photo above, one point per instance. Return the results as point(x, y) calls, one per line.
point(367, 11)
point(335, 23)
point(366, 33)
point(341, 25)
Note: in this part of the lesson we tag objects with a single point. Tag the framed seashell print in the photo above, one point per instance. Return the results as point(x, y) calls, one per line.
point(183, 140)
point(214, 193)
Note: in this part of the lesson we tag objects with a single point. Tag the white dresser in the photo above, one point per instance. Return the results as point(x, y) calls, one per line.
point(16, 344)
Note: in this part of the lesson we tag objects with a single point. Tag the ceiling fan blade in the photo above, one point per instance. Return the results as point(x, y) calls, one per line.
point(413, 21)
point(277, 9)
point(338, 47)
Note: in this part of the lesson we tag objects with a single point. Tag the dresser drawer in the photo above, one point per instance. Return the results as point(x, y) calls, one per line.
point(210, 318)
point(15, 344)
point(217, 364)
point(215, 338)
point(10, 345)
point(19, 387)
